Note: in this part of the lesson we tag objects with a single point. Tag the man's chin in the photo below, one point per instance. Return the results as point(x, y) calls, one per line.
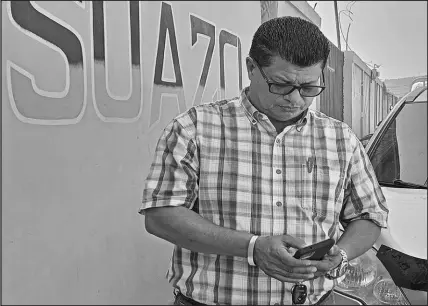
point(285, 117)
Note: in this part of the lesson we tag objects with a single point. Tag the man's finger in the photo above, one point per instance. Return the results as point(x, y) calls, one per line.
point(304, 270)
point(291, 272)
point(323, 265)
point(289, 260)
point(287, 279)
point(293, 275)
point(291, 250)
point(318, 274)
point(294, 242)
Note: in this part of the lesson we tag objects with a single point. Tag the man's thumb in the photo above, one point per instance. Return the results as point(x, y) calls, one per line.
point(294, 242)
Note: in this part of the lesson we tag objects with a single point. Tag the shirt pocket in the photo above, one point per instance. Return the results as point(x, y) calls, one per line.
point(321, 189)
point(305, 186)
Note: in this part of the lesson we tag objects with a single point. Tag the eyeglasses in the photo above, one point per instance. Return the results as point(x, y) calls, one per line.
point(282, 89)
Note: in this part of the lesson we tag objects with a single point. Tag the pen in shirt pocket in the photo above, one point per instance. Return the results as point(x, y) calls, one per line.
point(310, 162)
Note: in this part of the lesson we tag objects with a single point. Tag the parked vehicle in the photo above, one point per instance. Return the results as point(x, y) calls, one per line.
point(418, 82)
point(365, 139)
point(398, 152)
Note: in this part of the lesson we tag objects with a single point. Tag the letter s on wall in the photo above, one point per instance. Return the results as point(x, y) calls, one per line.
point(30, 103)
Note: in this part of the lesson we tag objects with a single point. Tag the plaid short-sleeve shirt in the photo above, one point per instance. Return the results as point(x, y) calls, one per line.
point(226, 161)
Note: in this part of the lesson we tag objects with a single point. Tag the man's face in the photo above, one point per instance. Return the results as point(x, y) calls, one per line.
point(281, 107)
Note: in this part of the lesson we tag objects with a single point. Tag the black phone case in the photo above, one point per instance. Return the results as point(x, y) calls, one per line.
point(318, 250)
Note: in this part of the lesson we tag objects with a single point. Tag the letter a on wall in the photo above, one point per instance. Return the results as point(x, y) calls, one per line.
point(162, 88)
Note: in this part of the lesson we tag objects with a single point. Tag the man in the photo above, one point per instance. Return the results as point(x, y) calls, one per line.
point(239, 185)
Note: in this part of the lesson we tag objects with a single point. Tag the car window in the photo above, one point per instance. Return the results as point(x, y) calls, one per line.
point(401, 153)
point(422, 97)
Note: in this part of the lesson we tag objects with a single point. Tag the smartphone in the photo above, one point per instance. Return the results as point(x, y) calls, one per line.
point(315, 251)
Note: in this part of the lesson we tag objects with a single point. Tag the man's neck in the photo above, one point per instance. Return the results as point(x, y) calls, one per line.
point(281, 125)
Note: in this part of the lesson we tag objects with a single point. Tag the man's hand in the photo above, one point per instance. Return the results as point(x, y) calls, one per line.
point(271, 254)
point(330, 261)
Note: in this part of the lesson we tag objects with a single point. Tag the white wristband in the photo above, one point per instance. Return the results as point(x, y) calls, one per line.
point(250, 252)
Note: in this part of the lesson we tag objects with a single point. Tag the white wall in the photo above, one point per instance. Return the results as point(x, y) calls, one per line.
point(75, 158)
point(347, 87)
point(77, 150)
point(359, 103)
point(299, 9)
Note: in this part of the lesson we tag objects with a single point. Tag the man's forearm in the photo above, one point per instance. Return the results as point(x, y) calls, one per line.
point(187, 229)
point(359, 236)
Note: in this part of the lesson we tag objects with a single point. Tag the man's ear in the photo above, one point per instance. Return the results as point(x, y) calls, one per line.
point(251, 66)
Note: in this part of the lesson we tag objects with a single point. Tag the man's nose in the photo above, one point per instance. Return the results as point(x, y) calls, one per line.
point(293, 97)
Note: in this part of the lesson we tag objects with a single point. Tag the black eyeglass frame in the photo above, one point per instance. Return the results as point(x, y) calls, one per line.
point(293, 87)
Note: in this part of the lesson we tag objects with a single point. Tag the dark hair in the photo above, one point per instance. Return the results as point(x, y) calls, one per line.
point(294, 39)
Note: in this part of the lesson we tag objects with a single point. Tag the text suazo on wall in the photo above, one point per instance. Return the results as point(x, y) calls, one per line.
point(35, 105)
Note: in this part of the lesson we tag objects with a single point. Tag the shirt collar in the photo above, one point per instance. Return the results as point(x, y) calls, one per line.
point(254, 115)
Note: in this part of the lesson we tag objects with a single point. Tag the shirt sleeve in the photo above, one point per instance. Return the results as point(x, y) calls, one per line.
point(363, 197)
point(173, 175)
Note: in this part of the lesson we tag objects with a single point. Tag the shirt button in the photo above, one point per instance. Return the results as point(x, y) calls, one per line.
point(278, 204)
point(278, 171)
point(278, 141)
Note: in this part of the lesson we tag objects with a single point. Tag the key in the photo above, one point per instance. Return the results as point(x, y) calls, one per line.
point(299, 292)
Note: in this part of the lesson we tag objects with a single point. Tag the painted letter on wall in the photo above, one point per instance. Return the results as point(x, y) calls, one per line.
point(110, 107)
point(162, 88)
point(200, 26)
point(30, 103)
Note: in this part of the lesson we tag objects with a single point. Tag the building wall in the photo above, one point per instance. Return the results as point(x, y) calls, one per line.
point(86, 91)
point(80, 120)
point(331, 99)
point(366, 99)
point(299, 9)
